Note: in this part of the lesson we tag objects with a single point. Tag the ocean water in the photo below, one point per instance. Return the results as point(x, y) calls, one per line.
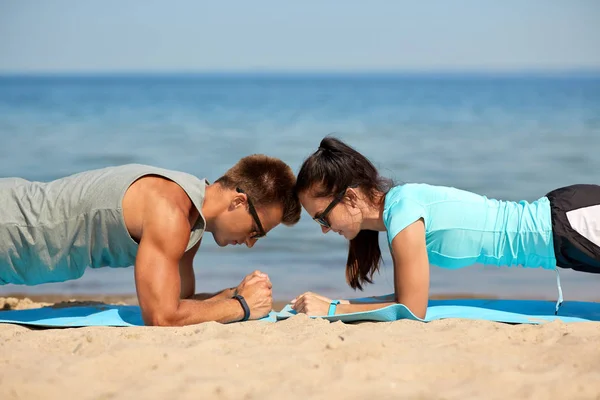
point(505, 136)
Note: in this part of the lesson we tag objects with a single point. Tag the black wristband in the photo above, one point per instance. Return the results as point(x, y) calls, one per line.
point(242, 301)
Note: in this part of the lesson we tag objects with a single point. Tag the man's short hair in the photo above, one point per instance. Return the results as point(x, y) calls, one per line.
point(267, 181)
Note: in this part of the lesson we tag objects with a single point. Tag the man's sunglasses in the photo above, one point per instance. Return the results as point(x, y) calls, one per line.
point(261, 232)
point(321, 217)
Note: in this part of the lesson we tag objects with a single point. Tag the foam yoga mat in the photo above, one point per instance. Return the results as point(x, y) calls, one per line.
point(509, 311)
point(79, 316)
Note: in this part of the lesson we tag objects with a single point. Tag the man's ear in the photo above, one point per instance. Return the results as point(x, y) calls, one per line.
point(239, 200)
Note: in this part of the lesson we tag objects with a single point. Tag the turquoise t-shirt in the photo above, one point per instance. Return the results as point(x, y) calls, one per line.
point(464, 228)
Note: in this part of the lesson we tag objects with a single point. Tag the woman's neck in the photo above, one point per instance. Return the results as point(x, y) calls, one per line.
point(372, 215)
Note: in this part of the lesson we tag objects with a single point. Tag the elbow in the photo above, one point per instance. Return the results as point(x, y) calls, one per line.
point(419, 313)
point(418, 310)
point(161, 318)
point(187, 293)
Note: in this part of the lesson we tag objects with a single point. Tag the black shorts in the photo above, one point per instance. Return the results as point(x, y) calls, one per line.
point(575, 212)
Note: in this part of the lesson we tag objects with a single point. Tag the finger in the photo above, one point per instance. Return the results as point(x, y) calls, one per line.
point(325, 299)
point(299, 306)
point(308, 296)
point(261, 282)
point(254, 280)
point(296, 304)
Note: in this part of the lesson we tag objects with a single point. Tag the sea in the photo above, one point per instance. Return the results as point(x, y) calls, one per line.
point(507, 136)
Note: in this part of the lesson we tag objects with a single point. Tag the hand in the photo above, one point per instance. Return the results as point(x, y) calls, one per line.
point(256, 273)
point(311, 304)
point(256, 290)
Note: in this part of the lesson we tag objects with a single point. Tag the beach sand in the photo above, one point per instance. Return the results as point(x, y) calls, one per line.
point(298, 358)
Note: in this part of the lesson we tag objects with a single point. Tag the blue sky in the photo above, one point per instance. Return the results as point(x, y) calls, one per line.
point(192, 36)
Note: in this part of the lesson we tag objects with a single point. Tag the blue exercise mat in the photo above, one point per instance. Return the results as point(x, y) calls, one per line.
point(79, 316)
point(509, 311)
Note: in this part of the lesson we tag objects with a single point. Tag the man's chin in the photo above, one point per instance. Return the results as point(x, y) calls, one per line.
point(220, 242)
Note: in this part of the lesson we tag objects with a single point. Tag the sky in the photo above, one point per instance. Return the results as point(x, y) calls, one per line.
point(310, 35)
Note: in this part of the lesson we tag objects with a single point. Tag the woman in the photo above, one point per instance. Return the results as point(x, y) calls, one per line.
point(443, 226)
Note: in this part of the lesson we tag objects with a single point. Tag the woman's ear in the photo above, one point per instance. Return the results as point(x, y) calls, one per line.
point(351, 197)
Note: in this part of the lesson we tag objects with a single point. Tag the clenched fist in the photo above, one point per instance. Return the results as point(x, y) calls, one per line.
point(256, 288)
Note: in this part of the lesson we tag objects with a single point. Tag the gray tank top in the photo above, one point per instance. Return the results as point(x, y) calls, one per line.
point(50, 232)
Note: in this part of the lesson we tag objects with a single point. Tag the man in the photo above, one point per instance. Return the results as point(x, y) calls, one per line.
point(151, 218)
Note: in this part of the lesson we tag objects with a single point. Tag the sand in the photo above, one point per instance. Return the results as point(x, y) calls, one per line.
point(301, 358)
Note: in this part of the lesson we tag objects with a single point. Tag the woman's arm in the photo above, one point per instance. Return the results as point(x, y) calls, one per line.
point(411, 268)
point(411, 280)
point(314, 304)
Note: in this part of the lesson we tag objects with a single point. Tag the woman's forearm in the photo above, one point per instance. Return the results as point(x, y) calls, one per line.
point(358, 307)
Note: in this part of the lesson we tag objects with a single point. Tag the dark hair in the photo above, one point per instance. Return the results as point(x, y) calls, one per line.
point(267, 181)
point(332, 168)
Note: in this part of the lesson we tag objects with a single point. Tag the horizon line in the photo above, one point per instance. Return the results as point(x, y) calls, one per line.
point(307, 72)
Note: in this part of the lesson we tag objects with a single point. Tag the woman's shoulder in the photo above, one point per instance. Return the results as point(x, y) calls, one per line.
point(413, 191)
point(424, 193)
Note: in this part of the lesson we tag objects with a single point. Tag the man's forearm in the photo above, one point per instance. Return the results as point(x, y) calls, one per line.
point(222, 295)
point(190, 312)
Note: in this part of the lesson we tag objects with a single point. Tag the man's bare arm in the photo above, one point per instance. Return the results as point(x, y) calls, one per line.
point(157, 275)
point(186, 272)
point(188, 280)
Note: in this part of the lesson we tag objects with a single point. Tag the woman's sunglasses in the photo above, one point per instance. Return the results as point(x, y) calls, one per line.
point(321, 217)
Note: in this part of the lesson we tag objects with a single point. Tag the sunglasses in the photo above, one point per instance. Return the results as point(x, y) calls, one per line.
point(261, 232)
point(321, 217)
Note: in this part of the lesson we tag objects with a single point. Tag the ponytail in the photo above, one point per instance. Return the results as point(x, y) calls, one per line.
point(364, 258)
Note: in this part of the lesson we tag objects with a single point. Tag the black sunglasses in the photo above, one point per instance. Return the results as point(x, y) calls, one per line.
point(321, 217)
point(261, 232)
